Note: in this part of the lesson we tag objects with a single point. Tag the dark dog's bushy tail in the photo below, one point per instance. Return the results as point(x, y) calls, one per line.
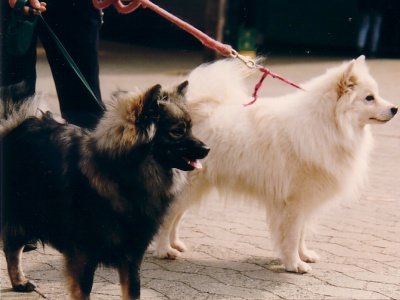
point(16, 106)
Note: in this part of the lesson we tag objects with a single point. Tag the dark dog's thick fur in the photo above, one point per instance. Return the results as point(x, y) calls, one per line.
point(97, 196)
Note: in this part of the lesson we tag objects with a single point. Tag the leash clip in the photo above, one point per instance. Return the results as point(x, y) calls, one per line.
point(247, 60)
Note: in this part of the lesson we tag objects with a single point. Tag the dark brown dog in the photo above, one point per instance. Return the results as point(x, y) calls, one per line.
point(96, 196)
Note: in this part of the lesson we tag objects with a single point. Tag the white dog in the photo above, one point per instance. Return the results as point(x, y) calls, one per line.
point(292, 153)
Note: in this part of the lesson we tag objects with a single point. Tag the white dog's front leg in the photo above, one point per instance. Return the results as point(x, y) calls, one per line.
point(287, 226)
point(306, 254)
point(176, 242)
point(291, 258)
point(167, 243)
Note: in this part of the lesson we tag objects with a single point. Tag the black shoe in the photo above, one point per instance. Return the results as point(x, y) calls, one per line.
point(30, 246)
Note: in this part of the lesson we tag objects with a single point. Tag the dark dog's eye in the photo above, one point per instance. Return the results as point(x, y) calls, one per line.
point(370, 98)
point(178, 132)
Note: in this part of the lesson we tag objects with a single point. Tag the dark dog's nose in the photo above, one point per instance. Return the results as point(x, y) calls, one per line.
point(205, 149)
point(394, 110)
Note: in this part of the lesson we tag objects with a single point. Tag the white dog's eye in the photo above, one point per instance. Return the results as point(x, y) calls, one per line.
point(370, 98)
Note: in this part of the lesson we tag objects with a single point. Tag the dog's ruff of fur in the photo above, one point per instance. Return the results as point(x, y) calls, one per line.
point(97, 196)
point(291, 154)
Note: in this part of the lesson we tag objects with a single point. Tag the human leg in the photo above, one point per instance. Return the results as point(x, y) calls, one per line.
point(80, 38)
point(15, 69)
point(363, 32)
point(377, 21)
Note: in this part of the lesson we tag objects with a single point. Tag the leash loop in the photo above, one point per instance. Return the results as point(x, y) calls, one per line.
point(119, 6)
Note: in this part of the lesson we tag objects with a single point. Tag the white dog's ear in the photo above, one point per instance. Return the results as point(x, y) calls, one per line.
point(348, 80)
point(349, 69)
point(361, 58)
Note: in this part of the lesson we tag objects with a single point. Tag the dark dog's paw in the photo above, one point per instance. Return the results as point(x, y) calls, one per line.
point(26, 287)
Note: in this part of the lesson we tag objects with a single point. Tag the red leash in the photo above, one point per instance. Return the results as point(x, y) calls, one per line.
point(267, 72)
point(223, 49)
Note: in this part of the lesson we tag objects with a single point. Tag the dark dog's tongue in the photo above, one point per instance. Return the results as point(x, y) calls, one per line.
point(194, 163)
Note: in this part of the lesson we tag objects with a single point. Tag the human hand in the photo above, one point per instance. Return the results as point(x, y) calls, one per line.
point(35, 5)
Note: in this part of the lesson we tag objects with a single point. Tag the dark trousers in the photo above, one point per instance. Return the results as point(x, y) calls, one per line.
point(76, 24)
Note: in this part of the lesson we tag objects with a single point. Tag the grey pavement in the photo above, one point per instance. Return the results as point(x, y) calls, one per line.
point(230, 253)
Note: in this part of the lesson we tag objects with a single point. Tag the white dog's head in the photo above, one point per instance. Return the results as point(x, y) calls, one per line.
point(358, 95)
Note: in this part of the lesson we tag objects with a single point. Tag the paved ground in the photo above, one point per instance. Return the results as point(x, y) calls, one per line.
point(230, 254)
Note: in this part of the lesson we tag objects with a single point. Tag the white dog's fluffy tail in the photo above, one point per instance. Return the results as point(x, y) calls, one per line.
point(221, 81)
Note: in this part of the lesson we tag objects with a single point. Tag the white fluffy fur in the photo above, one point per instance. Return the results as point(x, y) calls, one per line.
point(291, 154)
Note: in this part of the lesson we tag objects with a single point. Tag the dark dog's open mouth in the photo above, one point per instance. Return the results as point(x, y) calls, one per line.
point(194, 163)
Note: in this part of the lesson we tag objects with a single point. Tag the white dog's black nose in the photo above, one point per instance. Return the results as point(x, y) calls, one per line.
point(394, 110)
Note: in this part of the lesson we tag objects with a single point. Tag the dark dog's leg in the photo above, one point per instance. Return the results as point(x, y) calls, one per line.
point(80, 273)
point(13, 242)
point(129, 276)
point(14, 266)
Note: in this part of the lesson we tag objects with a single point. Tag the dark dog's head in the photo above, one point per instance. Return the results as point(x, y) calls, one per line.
point(155, 120)
point(174, 143)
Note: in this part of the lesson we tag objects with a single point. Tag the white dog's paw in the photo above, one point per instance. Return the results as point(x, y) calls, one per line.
point(179, 245)
point(298, 267)
point(309, 256)
point(168, 253)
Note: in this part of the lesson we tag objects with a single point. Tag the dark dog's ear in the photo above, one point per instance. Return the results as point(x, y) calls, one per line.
point(182, 88)
point(150, 100)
